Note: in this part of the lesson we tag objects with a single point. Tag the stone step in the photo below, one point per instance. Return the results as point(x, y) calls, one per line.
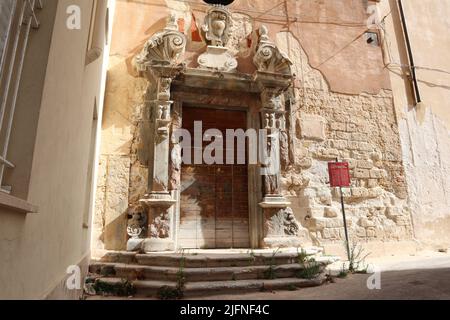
point(153, 288)
point(140, 272)
point(203, 260)
point(197, 289)
point(216, 261)
point(206, 260)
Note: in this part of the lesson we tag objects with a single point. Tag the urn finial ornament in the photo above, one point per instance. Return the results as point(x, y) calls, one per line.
point(217, 26)
point(216, 31)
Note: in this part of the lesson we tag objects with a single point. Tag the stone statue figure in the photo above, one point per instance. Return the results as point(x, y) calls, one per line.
point(271, 184)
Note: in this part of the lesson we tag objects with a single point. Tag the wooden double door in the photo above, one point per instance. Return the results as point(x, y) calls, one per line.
point(214, 198)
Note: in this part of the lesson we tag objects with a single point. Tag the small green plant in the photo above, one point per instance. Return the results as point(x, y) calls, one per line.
point(357, 262)
point(252, 258)
point(310, 268)
point(343, 273)
point(292, 287)
point(170, 293)
point(270, 273)
point(363, 270)
point(329, 278)
point(106, 271)
point(122, 289)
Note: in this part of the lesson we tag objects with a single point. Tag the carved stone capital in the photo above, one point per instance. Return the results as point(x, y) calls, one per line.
point(163, 92)
point(272, 98)
point(165, 47)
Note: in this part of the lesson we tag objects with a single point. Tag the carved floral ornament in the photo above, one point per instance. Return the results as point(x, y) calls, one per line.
point(268, 57)
point(165, 47)
point(137, 221)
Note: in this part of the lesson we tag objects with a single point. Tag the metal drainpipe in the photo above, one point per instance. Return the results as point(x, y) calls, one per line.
point(410, 54)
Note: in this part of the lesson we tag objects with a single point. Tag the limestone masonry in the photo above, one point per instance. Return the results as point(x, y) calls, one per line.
point(186, 55)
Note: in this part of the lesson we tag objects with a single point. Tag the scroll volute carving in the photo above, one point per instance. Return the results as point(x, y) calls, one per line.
point(268, 58)
point(165, 47)
point(217, 26)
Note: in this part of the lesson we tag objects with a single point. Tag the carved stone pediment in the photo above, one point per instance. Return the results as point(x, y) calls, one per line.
point(217, 26)
point(165, 47)
point(268, 58)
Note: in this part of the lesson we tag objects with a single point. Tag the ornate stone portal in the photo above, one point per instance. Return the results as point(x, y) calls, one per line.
point(161, 63)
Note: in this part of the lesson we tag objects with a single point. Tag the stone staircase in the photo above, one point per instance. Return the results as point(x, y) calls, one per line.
point(177, 275)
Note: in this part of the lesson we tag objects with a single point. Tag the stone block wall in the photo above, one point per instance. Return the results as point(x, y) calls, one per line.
point(360, 129)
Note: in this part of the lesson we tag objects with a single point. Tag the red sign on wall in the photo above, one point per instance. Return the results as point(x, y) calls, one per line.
point(339, 174)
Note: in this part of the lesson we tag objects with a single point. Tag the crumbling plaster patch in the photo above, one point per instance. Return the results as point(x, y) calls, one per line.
point(360, 129)
point(426, 155)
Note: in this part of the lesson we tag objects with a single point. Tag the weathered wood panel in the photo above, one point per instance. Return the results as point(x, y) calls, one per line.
point(214, 203)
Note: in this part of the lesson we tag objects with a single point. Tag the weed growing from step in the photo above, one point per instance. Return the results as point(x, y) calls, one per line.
point(310, 268)
point(252, 257)
point(123, 289)
point(169, 293)
point(292, 287)
point(106, 271)
point(270, 273)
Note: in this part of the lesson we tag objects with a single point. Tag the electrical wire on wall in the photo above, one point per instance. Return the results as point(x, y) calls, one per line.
point(392, 63)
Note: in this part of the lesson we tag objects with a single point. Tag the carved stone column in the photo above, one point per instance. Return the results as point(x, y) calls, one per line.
point(158, 62)
point(274, 76)
point(272, 115)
